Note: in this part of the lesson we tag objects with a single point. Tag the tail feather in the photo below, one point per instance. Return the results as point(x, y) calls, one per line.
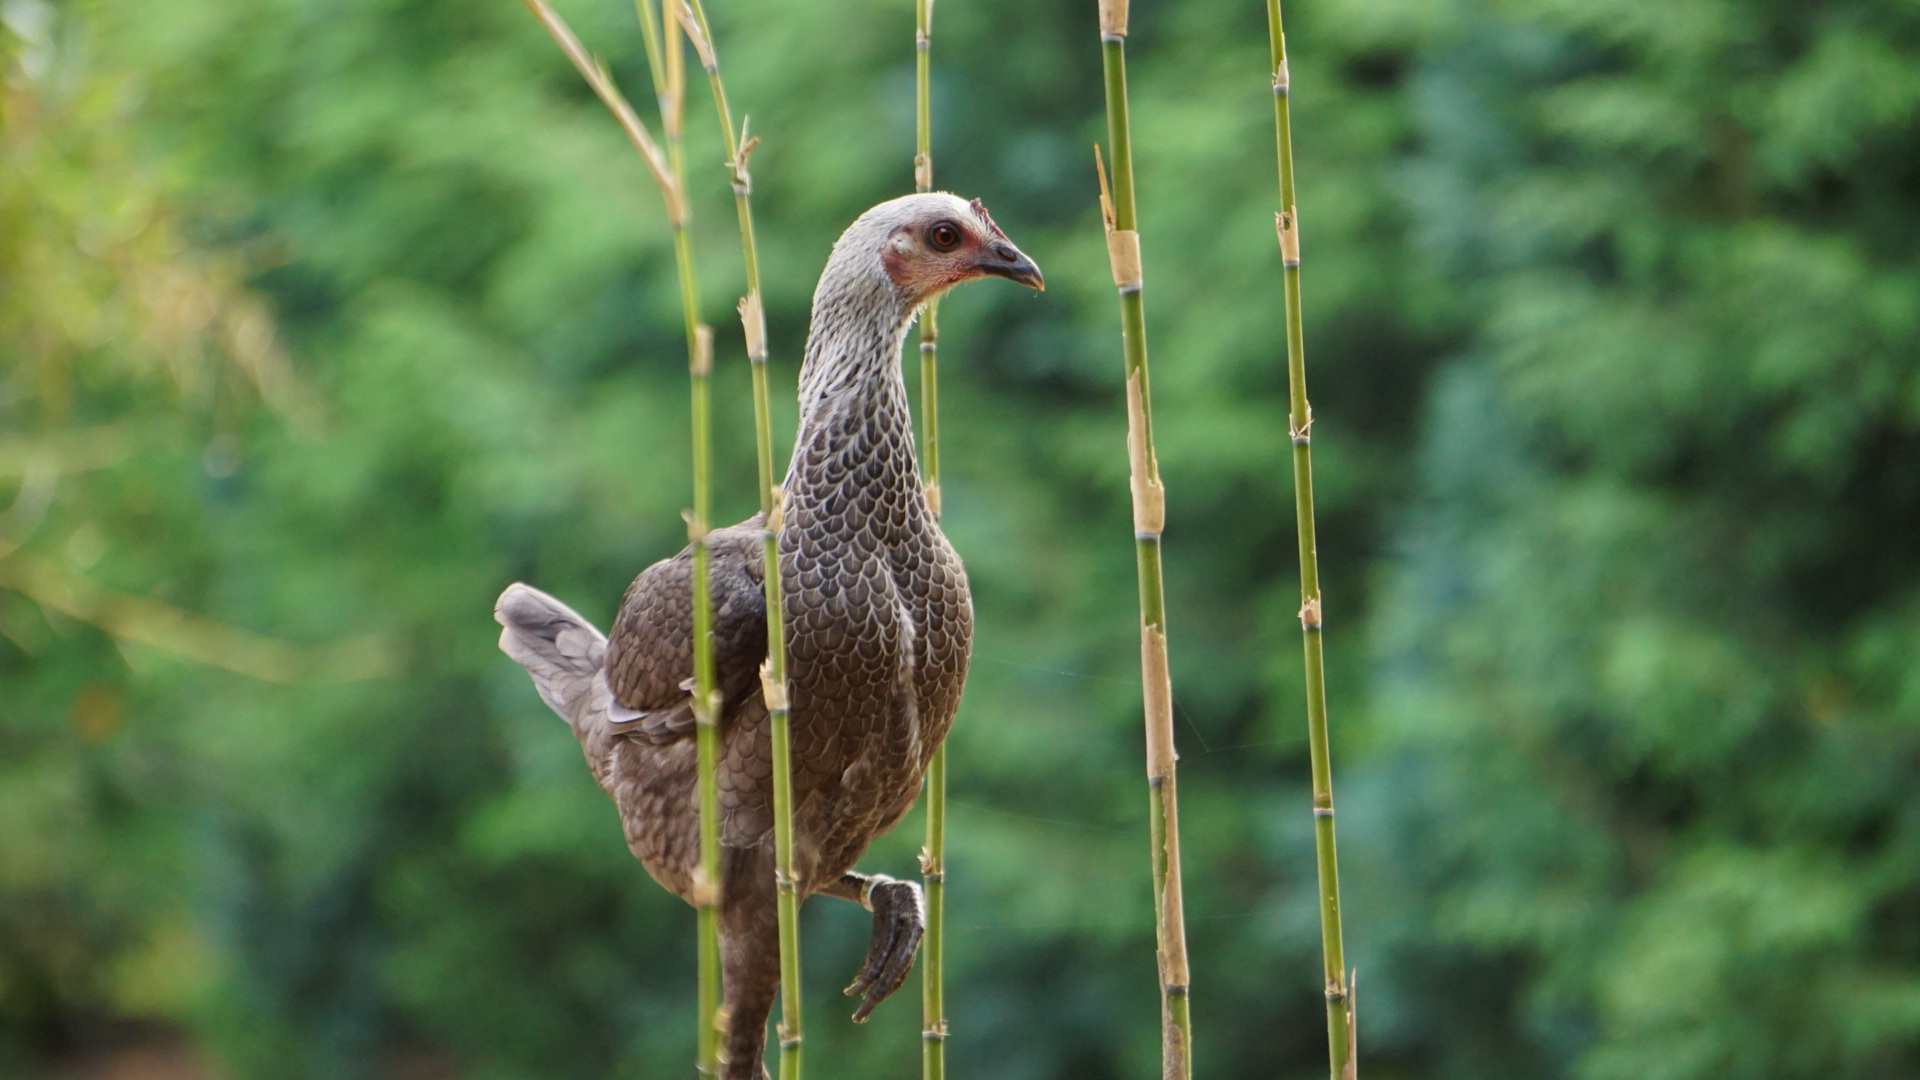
point(562, 651)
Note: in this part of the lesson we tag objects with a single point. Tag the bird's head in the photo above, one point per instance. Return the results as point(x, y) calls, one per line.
point(931, 242)
point(892, 260)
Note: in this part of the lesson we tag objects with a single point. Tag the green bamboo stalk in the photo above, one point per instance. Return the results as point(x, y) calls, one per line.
point(929, 319)
point(1339, 992)
point(773, 674)
point(933, 858)
point(1149, 519)
point(667, 63)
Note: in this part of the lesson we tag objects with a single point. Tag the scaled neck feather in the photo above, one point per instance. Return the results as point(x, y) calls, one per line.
point(860, 320)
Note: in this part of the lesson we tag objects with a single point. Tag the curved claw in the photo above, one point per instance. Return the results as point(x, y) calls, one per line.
point(899, 921)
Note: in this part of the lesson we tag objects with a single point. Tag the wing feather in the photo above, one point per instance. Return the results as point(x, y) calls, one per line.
point(649, 666)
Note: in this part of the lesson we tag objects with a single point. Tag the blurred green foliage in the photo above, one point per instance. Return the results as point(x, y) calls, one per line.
point(323, 321)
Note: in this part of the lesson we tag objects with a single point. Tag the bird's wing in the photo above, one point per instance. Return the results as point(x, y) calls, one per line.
point(649, 668)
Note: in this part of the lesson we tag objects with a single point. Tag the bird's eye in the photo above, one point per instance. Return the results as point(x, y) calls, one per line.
point(944, 236)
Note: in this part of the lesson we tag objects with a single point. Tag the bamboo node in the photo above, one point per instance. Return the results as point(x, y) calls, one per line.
point(702, 351)
point(1149, 508)
point(778, 497)
point(772, 690)
point(929, 864)
point(1310, 616)
point(933, 498)
point(1123, 251)
point(1323, 811)
point(753, 321)
point(1173, 920)
point(923, 172)
point(1149, 495)
point(1113, 18)
point(788, 1040)
point(1123, 245)
point(1302, 433)
point(1157, 689)
point(1335, 991)
point(696, 529)
point(707, 717)
point(936, 1033)
point(1287, 224)
point(705, 893)
point(742, 179)
point(1280, 79)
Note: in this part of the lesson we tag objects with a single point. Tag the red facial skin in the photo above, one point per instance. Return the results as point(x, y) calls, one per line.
point(922, 272)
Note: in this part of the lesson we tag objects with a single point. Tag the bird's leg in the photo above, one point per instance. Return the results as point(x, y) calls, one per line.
point(749, 960)
point(899, 921)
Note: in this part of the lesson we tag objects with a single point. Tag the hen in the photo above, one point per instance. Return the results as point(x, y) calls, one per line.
point(879, 626)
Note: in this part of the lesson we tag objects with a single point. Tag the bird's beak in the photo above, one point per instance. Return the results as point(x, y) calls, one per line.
point(1002, 259)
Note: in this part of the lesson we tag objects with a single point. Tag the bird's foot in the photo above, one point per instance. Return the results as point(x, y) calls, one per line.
point(899, 921)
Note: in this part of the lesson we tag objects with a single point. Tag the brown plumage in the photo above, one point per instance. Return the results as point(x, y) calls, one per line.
point(879, 625)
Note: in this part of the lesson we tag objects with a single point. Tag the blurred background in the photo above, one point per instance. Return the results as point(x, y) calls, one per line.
point(320, 322)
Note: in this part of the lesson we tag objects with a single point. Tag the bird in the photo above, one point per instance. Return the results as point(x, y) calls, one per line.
point(878, 622)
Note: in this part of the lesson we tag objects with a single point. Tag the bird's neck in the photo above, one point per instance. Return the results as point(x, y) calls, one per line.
point(856, 431)
point(853, 342)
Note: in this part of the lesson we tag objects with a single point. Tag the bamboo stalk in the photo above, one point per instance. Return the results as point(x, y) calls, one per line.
point(1342, 1064)
point(933, 857)
point(929, 319)
point(773, 675)
point(667, 60)
point(1149, 519)
point(665, 47)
